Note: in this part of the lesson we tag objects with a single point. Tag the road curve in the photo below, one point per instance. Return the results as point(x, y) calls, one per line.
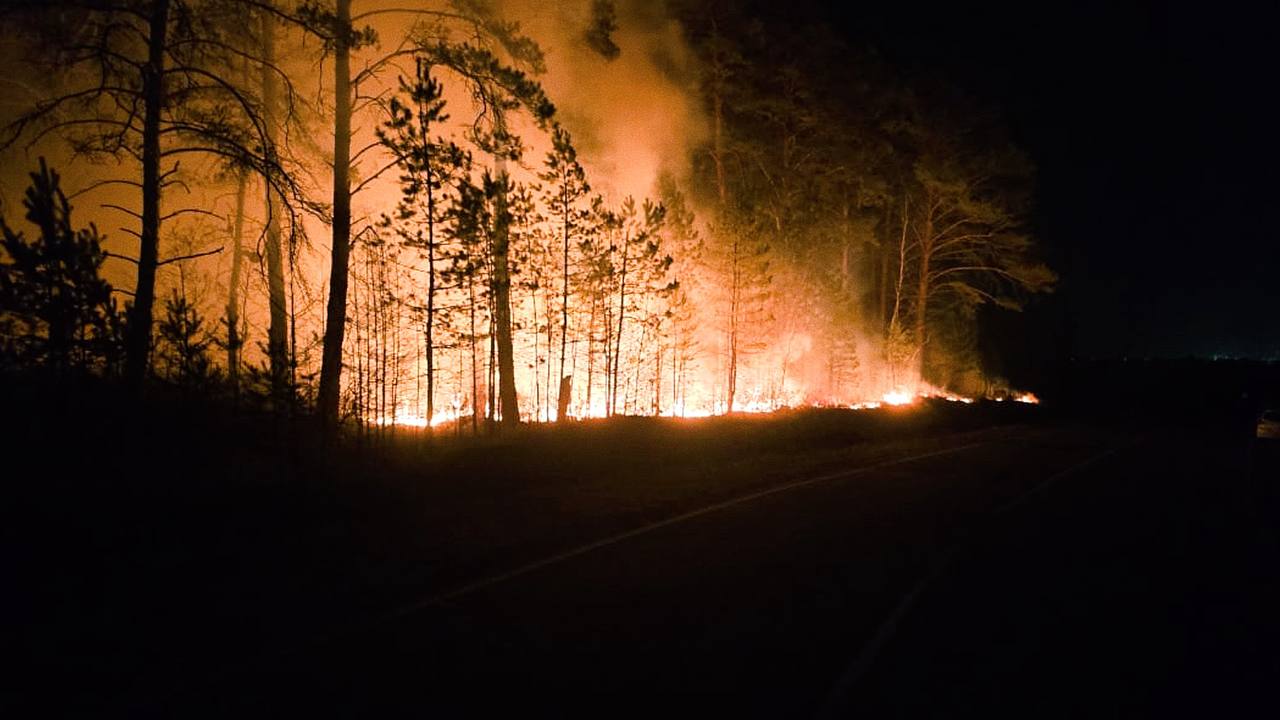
point(771, 604)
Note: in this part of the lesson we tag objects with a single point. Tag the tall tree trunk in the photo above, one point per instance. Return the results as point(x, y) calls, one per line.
point(293, 325)
point(606, 316)
point(922, 288)
point(138, 337)
point(902, 267)
point(425, 72)
point(379, 271)
point(491, 368)
point(722, 191)
point(546, 304)
point(657, 380)
point(358, 333)
point(735, 305)
point(234, 341)
point(566, 382)
point(537, 349)
point(566, 391)
point(882, 280)
point(617, 341)
point(675, 374)
point(475, 372)
point(502, 298)
point(591, 354)
point(278, 326)
point(336, 313)
point(431, 314)
point(883, 283)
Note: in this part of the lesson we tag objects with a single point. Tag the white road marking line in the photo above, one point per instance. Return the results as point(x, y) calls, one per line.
point(865, 658)
point(492, 580)
point(644, 529)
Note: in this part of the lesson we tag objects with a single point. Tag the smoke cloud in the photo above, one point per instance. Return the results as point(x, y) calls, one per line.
point(633, 113)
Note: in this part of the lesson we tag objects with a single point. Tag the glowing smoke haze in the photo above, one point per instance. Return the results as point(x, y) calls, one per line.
point(634, 118)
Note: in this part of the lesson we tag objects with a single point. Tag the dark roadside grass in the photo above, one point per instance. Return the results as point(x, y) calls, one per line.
point(159, 544)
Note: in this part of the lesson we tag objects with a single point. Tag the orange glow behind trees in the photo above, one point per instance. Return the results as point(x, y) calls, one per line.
point(705, 224)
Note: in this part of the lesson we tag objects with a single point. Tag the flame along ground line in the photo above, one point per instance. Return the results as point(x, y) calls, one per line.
point(837, 698)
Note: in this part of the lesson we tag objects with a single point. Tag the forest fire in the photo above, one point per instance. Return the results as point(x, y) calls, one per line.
point(574, 253)
point(898, 397)
point(708, 408)
point(634, 357)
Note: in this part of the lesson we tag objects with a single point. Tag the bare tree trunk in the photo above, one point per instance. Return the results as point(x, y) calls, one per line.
point(431, 315)
point(431, 263)
point(735, 303)
point(277, 329)
point(902, 267)
point(336, 313)
point(882, 280)
point(475, 373)
point(293, 325)
point(138, 338)
point(617, 341)
point(491, 368)
point(675, 374)
point(502, 301)
point(234, 341)
point(657, 380)
point(609, 357)
point(566, 382)
point(591, 354)
point(922, 289)
point(562, 403)
point(395, 354)
point(359, 409)
point(381, 307)
point(546, 305)
point(735, 273)
point(537, 349)
point(631, 400)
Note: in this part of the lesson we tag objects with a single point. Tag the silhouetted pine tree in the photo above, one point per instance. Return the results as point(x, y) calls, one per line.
point(564, 193)
point(55, 309)
point(184, 345)
point(427, 170)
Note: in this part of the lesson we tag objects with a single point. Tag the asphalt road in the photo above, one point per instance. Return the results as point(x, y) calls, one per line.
point(1061, 572)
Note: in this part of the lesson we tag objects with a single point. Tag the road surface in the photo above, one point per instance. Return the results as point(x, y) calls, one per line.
point(1043, 572)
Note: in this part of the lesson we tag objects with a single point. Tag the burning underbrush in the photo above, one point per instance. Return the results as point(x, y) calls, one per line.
point(455, 418)
point(899, 402)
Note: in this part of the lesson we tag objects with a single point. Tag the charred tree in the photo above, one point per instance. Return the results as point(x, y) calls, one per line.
point(278, 325)
point(235, 336)
point(340, 249)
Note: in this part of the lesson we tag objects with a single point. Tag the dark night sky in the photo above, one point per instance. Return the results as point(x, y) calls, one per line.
point(1155, 135)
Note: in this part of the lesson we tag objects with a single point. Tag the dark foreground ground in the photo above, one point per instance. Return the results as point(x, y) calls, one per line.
point(938, 561)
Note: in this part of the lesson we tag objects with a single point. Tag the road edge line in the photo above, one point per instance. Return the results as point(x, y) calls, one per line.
point(441, 598)
point(866, 657)
point(536, 565)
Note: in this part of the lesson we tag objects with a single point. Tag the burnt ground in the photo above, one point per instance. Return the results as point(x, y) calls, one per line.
point(946, 560)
